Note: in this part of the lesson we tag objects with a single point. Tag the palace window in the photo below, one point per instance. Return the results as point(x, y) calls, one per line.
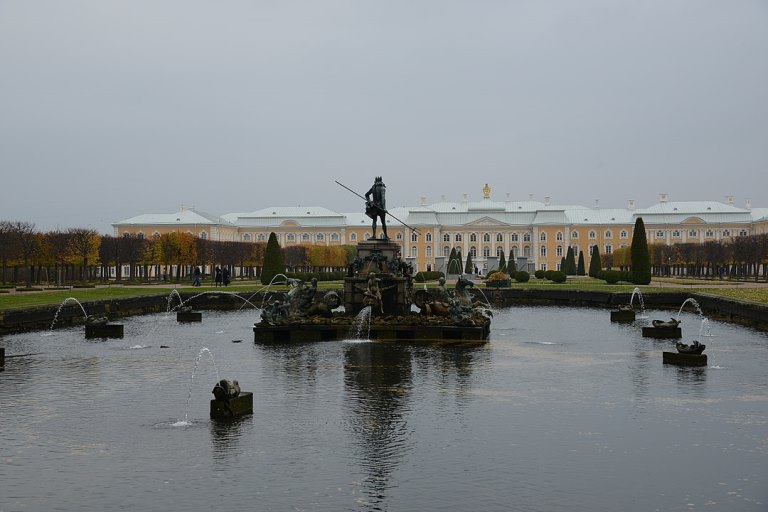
point(140, 235)
point(726, 232)
point(414, 237)
point(709, 234)
point(575, 250)
point(499, 237)
point(608, 233)
point(486, 251)
point(305, 237)
point(559, 251)
point(353, 237)
point(514, 237)
point(446, 237)
point(291, 237)
point(246, 237)
point(559, 236)
point(446, 251)
point(592, 235)
point(575, 235)
point(473, 251)
point(399, 236)
point(623, 234)
point(659, 234)
point(260, 237)
point(157, 235)
point(428, 237)
point(486, 237)
point(526, 237)
point(676, 234)
point(743, 232)
point(414, 251)
point(334, 237)
point(428, 251)
point(543, 251)
point(693, 233)
point(473, 237)
point(543, 237)
point(320, 237)
point(499, 252)
point(608, 249)
point(527, 251)
point(457, 238)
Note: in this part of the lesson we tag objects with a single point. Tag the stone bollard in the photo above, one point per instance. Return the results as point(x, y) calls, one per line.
point(230, 402)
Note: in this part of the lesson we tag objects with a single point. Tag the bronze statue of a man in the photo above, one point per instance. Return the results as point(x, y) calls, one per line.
point(376, 207)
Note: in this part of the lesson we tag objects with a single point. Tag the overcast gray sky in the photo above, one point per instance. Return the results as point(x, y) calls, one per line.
point(110, 109)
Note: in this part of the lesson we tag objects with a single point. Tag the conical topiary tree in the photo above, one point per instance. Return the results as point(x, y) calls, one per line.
point(563, 265)
point(641, 258)
point(594, 262)
point(454, 262)
point(570, 263)
point(502, 263)
point(581, 269)
point(273, 260)
point(511, 265)
point(469, 267)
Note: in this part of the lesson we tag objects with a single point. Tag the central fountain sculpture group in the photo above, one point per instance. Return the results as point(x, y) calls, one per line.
point(379, 286)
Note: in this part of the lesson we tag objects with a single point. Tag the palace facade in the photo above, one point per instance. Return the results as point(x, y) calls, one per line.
point(537, 234)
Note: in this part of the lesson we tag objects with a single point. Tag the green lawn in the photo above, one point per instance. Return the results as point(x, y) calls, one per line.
point(55, 297)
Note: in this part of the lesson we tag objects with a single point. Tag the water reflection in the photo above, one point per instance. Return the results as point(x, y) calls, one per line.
point(227, 435)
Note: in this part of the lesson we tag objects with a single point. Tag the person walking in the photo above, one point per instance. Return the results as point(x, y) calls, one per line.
point(217, 276)
point(196, 277)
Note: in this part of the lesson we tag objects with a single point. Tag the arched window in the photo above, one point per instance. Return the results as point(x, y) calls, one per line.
point(446, 237)
point(514, 252)
point(608, 233)
point(305, 237)
point(260, 237)
point(693, 233)
point(543, 237)
point(543, 251)
point(320, 237)
point(156, 234)
point(623, 234)
point(514, 237)
point(726, 232)
point(486, 251)
point(559, 251)
point(743, 232)
point(486, 237)
point(559, 236)
point(291, 237)
point(353, 237)
point(608, 249)
point(499, 237)
point(473, 251)
point(126, 235)
point(399, 236)
point(473, 237)
point(458, 250)
point(709, 234)
point(527, 251)
point(140, 235)
point(446, 251)
point(414, 237)
point(499, 252)
point(457, 238)
point(592, 235)
point(659, 234)
point(246, 237)
point(428, 251)
point(576, 250)
point(428, 237)
point(575, 235)
point(414, 251)
point(334, 237)
point(526, 237)
point(676, 233)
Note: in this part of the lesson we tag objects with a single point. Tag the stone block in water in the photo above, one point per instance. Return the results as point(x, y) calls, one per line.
point(189, 316)
point(2, 356)
point(104, 331)
point(662, 332)
point(684, 359)
point(623, 315)
point(233, 407)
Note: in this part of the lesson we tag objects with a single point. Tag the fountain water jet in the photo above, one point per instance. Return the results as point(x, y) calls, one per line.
point(191, 381)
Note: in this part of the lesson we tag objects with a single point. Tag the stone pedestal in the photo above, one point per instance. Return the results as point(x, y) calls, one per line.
point(381, 257)
point(662, 332)
point(189, 316)
point(623, 315)
point(684, 359)
point(104, 331)
point(233, 407)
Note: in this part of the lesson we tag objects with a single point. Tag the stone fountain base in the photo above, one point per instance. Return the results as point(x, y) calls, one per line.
point(389, 329)
point(623, 315)
point(662, 332)
point(684, 359)
point(233, 407)
point(189, 316)
point(104, 331)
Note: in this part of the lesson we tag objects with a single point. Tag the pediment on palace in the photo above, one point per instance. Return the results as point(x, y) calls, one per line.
point(693, 220)
point(289, 222)
point(486, 221)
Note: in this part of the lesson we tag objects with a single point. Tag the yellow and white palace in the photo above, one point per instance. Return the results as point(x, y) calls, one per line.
point(536, 233)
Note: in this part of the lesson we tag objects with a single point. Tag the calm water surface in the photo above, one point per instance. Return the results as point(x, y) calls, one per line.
point(562, 411)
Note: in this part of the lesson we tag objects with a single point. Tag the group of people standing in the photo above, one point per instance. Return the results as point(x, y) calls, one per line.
point(220, 276)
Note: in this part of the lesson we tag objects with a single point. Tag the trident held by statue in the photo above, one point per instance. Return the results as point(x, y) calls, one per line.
point(376, 207)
